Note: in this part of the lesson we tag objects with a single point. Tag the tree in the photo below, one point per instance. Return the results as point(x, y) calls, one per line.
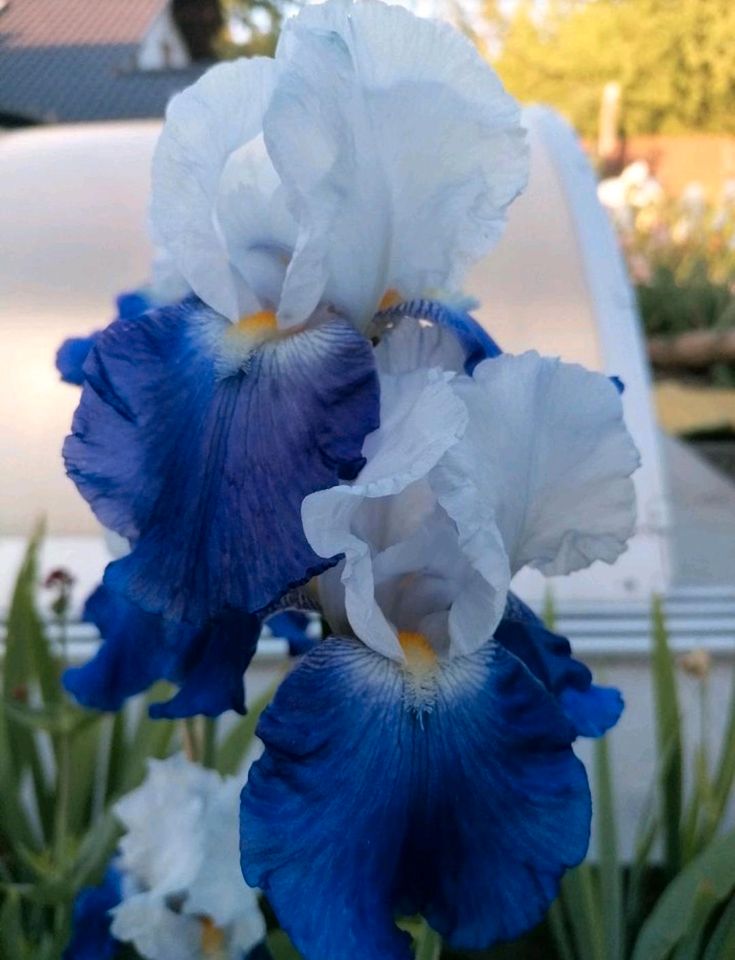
point(674, 60)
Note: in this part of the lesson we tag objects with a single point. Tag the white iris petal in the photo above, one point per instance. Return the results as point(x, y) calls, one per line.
point(526, 462)
point(390, 500)
point(180, 863)
point(376, 151)
point(546, 451)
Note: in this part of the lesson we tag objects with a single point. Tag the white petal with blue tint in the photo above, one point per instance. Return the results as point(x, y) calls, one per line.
point(547, 453)
point(400, 168)
point(377, 150)
point(391, 499)
point(412, 344)
point(163, 820)
point(156, 931)
point(210, 155)
point(179, 860)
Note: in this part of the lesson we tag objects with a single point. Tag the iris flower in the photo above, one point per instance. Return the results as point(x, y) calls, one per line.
point(376, 152)
point(179, 857)
point(173, 890)
point(420, 760)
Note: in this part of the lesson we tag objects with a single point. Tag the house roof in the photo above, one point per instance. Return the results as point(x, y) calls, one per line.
point(74, 60)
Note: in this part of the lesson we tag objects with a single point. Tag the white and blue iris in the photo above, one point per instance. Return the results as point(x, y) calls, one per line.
point(252, 437)
point(370, 161)
point(421, 760)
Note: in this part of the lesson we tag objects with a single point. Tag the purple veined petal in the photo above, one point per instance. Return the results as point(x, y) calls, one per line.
point(199, 447)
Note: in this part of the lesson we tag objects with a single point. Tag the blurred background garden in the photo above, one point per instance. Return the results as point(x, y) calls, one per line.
point(621, 255)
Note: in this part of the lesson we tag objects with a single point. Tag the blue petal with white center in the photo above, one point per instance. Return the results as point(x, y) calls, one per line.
point(140, 648)
point(91, 938)
point(198, 439)
point(475, 341)
point(591, 709)
point(449, 789)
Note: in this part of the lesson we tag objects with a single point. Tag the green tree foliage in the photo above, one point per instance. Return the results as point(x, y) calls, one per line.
point(259, 23)
point(674, 60)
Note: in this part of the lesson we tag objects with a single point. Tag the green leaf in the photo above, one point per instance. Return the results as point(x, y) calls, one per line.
point(668, 737)
point(235, 745)
point(584, 911)
point(559, 932)
point(13, 945)
point(428, 944)
point(689, 947)
point(611, 877)
point(95, 851)
point(281, 947)
point(23, 622)
point(687, 902)
point(722, 942)
point(725, 771)
point(16, 829)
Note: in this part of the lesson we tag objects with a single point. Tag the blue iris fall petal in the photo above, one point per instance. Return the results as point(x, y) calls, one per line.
point(202, 456)
point(132, 304)
point(453, 793)
point(140, 648)
point(212, 668)
point(71, 356)
point(294, 626)
point(91, 938)
point(593, 710)
point(476, 341)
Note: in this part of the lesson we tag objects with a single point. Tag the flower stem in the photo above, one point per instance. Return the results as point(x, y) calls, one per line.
point(209, 741)
point(428, 944)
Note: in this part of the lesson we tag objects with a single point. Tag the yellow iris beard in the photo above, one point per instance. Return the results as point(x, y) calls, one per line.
point(256, 324)
point(389, 299)
point(419, 652)
point(213, 939)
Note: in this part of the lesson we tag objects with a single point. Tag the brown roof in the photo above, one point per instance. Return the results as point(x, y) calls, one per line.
point(74, 60)
point(40, 23)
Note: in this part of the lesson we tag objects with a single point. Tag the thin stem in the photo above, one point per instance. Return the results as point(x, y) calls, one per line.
point(190, 740)
point(428, 944)
point(63, 783)
point(209, 741)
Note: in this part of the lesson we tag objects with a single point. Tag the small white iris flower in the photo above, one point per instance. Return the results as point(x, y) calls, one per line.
point(183, 897)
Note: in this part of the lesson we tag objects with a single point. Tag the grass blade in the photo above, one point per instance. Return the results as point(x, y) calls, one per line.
point(668, 736)
point(688, 901)
point(722, 942)
point(583, 909)
point(235, 745)
point(559, 932)
point(611, 878)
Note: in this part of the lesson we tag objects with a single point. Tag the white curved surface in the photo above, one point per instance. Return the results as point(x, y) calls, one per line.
point(73, 234)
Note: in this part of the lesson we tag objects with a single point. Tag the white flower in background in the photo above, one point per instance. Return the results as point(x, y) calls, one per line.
point(273, 190)
point(183, 893)
point(634, 190)
point(693, 200)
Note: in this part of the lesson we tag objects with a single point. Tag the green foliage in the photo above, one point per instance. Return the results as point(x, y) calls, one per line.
point(678, 908)
point(259, 24)
point(674, 60)
point(61, 769)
